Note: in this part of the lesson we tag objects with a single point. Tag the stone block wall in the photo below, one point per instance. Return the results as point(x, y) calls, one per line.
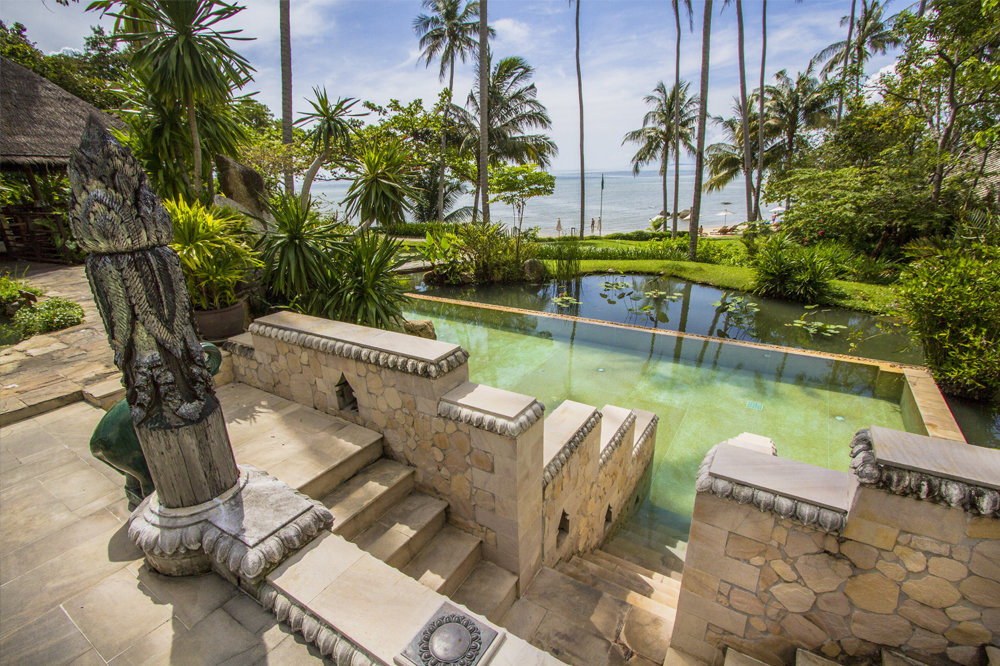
point(902, 553)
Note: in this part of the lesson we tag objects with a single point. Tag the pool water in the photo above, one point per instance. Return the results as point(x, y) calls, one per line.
point(704, 391)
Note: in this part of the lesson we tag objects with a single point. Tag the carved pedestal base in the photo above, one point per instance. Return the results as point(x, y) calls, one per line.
point(242, 534)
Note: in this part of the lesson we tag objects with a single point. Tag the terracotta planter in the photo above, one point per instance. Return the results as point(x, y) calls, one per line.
point(222, 323)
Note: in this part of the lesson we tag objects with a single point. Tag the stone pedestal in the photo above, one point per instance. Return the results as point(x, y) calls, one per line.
point(241, 534)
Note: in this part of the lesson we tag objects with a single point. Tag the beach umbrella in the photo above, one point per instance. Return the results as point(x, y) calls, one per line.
point(726, 212)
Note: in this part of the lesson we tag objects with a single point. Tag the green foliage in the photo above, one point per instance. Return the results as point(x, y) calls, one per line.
point(643, 235)
point(215, 249)
point(493, 255)
point(567, 259)
point(15, 293)
point(52, 314)
point(381, 189)
point(813, 327)
point(421, 229)
point(784, 269)
point(296, 249)
point(443, 250)
point(950, 299)
point(362, 286)
point(515, 184)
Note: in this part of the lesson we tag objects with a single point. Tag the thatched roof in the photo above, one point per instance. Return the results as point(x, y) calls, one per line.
point(40, 123)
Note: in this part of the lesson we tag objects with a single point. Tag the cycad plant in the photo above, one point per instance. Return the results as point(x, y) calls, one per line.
point(215, 249)
point(296, 249)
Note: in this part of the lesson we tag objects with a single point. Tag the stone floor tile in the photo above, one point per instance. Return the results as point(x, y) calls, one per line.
point(523, 618)
point(309, 571)
point(88, 658)
point(116, 612)
point(42, 550)
point(292, 651)
point(46, 465)
point(30, 512)
point(647, 634)
point(569, 642)
point(49, 639)
point(256, 620)
point(155, 647)
point(215, 640)
point(81, 487)
point(28, 441)
point(192, 598)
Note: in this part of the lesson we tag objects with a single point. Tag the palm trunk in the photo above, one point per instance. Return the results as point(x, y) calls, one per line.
point(284, 26)
point(663, 175)
point(444, 125)
point(310, 175)
point(847, 57)
point(195, 144)
point(744, 114)
point(677, 116)
point(699, 159)
point(484, 128)
point(760, 110)
point(475, 201)
point(579, 93)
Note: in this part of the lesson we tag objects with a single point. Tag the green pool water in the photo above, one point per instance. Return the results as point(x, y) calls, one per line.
point(704, 391)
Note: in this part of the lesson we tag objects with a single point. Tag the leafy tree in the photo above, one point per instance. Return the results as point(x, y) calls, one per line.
point(668, 124)
point(449, 33)
point(296, 248)
point(183, 57)
point(332, 127)
point(515, 184)
point(425, 205)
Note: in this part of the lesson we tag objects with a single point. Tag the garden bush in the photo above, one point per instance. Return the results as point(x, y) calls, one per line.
point(15, 294)
point(785, 269)
point(950, 299)
point(644, 235)
point(52, 314)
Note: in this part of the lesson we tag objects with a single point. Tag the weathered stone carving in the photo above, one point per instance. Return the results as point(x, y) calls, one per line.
point(451, 638)
point(617, 438)
point(492, 422)
point(358, 352)
point(921, 485)
point(806, 513)
point(559, 460)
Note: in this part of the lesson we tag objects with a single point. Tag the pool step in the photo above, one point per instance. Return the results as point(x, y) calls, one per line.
point(670, 548)
point(629, 583)
point(661, 560)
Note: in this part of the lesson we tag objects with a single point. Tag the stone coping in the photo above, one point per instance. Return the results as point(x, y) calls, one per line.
point(812, 495)
point(934, 411)
point(565, 429)
point(496, 410)
point(406, 353)
point(928, 468)
point(618, 436)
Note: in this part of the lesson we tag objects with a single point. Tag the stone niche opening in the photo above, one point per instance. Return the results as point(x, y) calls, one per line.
point(608, 518)
point(563, 529)
point(346, 400)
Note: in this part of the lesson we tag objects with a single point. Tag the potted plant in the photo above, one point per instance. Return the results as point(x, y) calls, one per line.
point(216, 252)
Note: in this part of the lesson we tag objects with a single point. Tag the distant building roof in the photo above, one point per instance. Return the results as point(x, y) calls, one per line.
point(40, 123)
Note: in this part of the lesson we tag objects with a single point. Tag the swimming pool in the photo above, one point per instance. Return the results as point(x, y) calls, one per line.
point(704, 390)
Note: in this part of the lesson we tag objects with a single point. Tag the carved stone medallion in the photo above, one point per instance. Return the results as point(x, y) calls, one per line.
point(451, 638)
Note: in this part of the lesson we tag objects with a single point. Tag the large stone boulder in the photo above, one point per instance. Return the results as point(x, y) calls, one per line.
point(241, 184)
point(534, 270)
point(422, 328)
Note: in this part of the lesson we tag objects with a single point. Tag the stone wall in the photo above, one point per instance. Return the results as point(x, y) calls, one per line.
point(902, 553)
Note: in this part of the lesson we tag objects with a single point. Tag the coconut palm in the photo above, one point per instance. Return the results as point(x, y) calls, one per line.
point(184, 57)
point(382, 187)
point(284, 26)
point(425, 204)
point(873, 36)
point(660, 131)
point(744, 112)
point(449, 33)
point(483, 63)
point(514, 109)
point(760, 109)
point(699, 157)
point(332, 127)
point(727, 161)
point(797, 106)
point(676, 4)
point(579, 93)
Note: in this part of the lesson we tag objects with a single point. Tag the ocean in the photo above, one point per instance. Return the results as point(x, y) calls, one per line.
point(627, 204)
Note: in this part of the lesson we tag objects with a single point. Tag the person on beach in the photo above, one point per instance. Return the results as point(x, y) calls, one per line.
point(591, 226)
point(559, 226)
point(598, 226)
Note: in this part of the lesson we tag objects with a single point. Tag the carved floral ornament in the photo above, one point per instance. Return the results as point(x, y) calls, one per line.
point(920, 485)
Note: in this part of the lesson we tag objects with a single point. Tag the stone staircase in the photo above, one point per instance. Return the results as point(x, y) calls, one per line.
point(372, 498)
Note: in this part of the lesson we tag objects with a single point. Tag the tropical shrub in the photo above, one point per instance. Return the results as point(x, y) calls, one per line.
point(443, 250)
point(15, 294)
point(361, 285)
point(785, 269)
point(216, 252)
point(493, 255)
point(950, 299)
point(567, 257)
point(296, 249)
point(644, 235)
point(52, 314)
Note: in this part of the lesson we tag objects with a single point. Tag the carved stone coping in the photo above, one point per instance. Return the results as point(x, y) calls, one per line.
point(387, 349)
point(488, 408)
point(790, 489)
point(928, 468)
point(617, 437)
point(565, 429)
point(246, 531)
point(330, 642)
point(240, 345)
point(647, 432)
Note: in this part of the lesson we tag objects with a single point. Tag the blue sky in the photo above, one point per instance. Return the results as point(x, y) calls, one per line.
point(367, 49)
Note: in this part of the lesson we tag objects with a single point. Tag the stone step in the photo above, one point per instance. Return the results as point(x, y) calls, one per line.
point(665, 563)
point(580, 571)
point(357, 502)
point(446, 561)
point(606, 559)
point(735, 658)
point(672, 548)
point(489, 590)
point(404, 529)
point(660, 592)
point(655, 532)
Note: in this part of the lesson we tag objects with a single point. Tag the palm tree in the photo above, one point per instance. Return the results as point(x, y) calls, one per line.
point(579, 93)
point(760, 109)
point(660, 131)
point(797, 106)
point(449, 32)
point(727, 161)
point(514, 109)
point(484, 108)
point(677, 110)
point(332, 127)
point(184, 58)
point(382, 184)
point(744, 116)
point(699, 157)
point(284, 26)
point(874, 36)
point(424, 206)
point(847, 56)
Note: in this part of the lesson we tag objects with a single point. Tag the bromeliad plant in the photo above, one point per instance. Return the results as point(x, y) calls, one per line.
point(216, 252)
